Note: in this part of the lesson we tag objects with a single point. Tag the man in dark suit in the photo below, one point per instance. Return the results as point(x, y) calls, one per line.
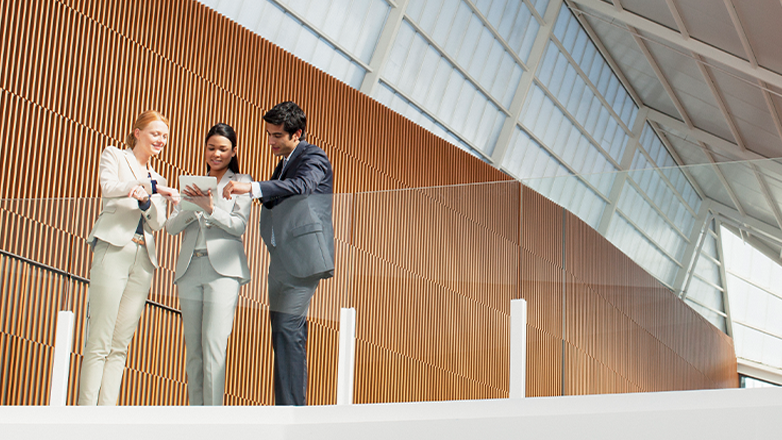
point(297, 229)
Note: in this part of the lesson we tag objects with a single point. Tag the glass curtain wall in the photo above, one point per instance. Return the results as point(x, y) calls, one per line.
point(521, 85)
point(470, 72)
point(755, 299)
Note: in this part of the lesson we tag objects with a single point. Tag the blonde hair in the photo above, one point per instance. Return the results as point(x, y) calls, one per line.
point(141, 122)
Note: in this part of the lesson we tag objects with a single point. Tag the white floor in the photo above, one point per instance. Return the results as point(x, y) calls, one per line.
point(742, 414)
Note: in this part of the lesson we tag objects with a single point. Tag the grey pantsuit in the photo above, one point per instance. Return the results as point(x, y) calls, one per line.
point(209, 287)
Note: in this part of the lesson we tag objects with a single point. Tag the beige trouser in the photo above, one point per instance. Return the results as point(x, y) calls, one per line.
point(120, 278)
point(208, 302)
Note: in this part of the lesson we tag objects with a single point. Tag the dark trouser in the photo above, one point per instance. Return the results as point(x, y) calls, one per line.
point(289, 300)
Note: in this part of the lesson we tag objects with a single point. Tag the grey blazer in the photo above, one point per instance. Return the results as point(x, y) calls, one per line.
point(222, 231)
point(297, 205)
point(119, 172)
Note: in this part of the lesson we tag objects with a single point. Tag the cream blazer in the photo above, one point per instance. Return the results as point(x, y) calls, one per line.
point(222, 231)
point(119, 171)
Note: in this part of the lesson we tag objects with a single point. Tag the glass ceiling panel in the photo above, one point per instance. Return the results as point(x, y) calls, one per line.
point(755, 298)
point(757, 346)
point(513, 21)
point(713, 317)
point(354, 25)
point(753, 305)
point(460, 32)
point(271, 21)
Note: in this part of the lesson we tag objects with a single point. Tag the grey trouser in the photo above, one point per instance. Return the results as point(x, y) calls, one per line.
point(208, 302)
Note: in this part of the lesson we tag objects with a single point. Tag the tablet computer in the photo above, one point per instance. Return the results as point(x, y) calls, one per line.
point(204, 183)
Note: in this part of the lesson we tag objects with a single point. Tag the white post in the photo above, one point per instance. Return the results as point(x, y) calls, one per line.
point(63, 343)
point(518, 348)
point(347, 356)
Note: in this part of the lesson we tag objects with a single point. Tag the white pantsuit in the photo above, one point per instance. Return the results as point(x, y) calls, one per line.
point(120, 275)
point(209, 286)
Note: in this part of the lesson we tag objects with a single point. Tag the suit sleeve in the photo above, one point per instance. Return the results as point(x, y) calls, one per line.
point(110, 184)
point(155, 216)
point(234, 222)
point(179, 220)
point(312, 170)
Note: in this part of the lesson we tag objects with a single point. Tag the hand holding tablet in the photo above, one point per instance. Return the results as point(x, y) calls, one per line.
point(201, 198)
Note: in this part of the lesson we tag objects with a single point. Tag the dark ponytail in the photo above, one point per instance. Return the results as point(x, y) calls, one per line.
point(227, 132)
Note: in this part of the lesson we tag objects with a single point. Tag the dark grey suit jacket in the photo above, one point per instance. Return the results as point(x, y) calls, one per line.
point(297, 205)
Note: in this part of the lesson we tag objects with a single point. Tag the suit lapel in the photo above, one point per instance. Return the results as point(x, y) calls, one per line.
point(134, 166)
point(225, 204)
point(277, 169)
point(293, 161)
point(139, 172)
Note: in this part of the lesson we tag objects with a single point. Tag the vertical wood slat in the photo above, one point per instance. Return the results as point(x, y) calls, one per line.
point(612, 298)
point(76, 73)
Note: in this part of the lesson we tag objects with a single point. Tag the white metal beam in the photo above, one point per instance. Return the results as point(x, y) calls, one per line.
point(320, 34)
point(424, 110)
point(772, 203)
point(621, 178)
point(725, 183)
point(680, 107)
point(691, 253)
point(573, 173)
point(525, 83)
point(496, 34)
point(765, 331)
point(606, 55)
point(677, 17)
point(689, 44)
point(707, 76)
point(383, 48)
point(685, 116)
point(591, 85)
point(772, 108)
point(684, 169)
point(726, 114)
point(661, 77)
point(736, 19)
point(723, 278)
point(535, 12)
point(723, 148)
point(760, 229)
point(757, 241)
point(707, 307)
point(458, 67)
point(750, 368)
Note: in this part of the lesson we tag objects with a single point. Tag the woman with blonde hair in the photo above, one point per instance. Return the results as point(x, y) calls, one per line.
point(211, 267)
point(124, 260)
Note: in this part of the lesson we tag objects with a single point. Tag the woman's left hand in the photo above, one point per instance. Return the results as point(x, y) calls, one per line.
point(205, 200)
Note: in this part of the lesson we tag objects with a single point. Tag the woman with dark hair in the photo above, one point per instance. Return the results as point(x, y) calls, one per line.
point(212, 266)
point(133, 205)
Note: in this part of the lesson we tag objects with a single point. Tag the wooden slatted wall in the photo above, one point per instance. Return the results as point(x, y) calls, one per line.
point(430, 271)
point(540, 283)
point(609, 300)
